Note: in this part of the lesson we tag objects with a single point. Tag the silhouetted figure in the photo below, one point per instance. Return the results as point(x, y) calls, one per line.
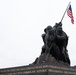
point(46, 39)
point(61, 40)
point(49, 46)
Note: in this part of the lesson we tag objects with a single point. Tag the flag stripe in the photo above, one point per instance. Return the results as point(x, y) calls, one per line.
point(70, 14)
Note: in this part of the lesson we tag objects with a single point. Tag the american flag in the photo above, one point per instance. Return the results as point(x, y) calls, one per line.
point(70, 14)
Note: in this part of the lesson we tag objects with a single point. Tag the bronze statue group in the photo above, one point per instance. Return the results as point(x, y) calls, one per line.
point(55, 43)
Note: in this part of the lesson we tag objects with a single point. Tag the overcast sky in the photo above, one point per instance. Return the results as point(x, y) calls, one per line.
point(21, 24)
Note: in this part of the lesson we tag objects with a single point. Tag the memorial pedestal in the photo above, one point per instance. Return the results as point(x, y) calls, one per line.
point(41, 69)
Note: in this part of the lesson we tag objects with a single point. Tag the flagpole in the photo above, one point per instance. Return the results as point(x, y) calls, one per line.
point(64, 12)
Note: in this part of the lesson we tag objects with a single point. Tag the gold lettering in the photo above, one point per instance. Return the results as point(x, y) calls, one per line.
point(32, 71)
point(66, 72)
point(44, 70)
point(45, 66)
point(55, 71)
